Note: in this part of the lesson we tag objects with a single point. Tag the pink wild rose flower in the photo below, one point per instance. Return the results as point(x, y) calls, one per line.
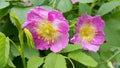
point(74, 1)
point(89, 32)
point(49, 29)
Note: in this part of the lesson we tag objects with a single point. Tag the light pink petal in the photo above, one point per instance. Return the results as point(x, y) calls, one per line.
point(63, 27)
point(60, 43)
point(32, 15)
point(58, 21)
point(98, 23)
point(90, 47)
point(84, 19)
point(41, 44)
point(30, 25)
point(99, 38)
point(76, 39)
point(37, 13)
point(54, 14)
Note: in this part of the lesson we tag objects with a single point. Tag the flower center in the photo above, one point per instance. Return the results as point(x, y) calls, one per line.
point(47, 32)
point(88, 32)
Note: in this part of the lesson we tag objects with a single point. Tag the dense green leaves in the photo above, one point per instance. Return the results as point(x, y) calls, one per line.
point(71, 47)
point(64, 5)
point(4, 50)
point(29, 52)
point(4, 12)
point(15, 12)
point(55, 61)
point(34, 62)
point(3, 4)
point(112, 29)
point(86, 1)
point(20, 13)
point(107, 7)
point(84, 8)
point(83, 58)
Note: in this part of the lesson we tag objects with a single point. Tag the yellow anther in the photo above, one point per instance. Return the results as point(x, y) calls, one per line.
point(88, 32)
point(47, 32)
point(53, 40)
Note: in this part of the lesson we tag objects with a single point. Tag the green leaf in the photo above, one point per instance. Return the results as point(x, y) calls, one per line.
point(112, 30)
point(14, 51)
point(55, 61)
point(107, 7)
point(3, 4)
point(4, 50)
point(29, 52)
point(10, 64)
point(29, 38)
point(34, 62)
point(82, 58)
point(84, 8)
point(71, 47)
point(64, 5)
point(2, 36)
point(86, 1)
point(47, 7)
point(4, 12)
point(20, 13)
point(37, 2)
point(15, 20)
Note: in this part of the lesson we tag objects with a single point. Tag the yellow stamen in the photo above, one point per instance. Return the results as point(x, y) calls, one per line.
point(53, 40)
point(88, 32)
point(47, 32)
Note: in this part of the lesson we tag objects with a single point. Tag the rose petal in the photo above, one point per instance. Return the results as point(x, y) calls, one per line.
point(98, 22)
point(41, 44)
point(60, 43)
point(90, 47)
point(76, 39)
point(37, 13)
point(99, 38)
point(84, 19)
point(53, 14)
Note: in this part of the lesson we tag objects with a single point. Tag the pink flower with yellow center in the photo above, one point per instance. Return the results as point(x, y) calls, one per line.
point(89, 32)
point(49, 29)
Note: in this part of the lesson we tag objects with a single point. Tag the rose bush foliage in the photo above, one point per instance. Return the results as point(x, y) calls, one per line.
point(59, 33)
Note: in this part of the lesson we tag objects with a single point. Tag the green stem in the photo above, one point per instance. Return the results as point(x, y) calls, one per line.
point(71, 62)
point(22, 47)
point(14, 44)
point(72, 25)
point(53, 5)
point(92, 5)
point(114, 55)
